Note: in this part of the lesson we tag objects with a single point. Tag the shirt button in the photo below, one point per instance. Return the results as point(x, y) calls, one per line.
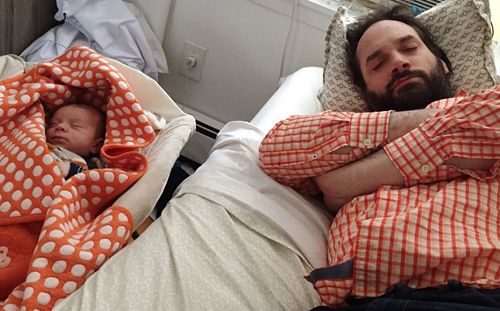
point(367, 142)
point(314, 156)
point(425, 168)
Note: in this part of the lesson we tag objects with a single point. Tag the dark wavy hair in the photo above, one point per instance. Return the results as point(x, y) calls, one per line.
point(398, 13)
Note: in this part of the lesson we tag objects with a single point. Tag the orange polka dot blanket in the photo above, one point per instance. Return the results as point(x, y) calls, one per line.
point(54, 233)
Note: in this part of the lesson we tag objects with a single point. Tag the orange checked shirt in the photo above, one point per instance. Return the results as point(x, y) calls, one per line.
point(444, 225)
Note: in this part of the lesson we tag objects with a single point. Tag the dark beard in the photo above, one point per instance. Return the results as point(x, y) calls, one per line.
point(414, 95)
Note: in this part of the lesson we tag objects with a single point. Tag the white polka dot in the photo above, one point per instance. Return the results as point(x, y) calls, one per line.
point(57, 70)
point(88, 245)
point(78, 270)
point(47, 159)
point(49, 221)
point(95, 189)
point(106, 230)
point(56, 234)
point(69, 287)
point(59, 266)
point(105, 243)
point(130, 96)
point(48, 247)
point(38, 151)
point(122, 85)
point(121, 231)
point(11, 307)
point(33, 277)
point(96, 200)
point(8, 187)
point(84, 203)
point(116, 247)
point(86, 255)
point(5, 207)
point(18, 294)
point(37, 192)
point(95, 176)
point(28, 163)
point(66, 194)
point(107, 219)
point(47, 180)
point(21, 156)
point(37, 171)
point(28, 183)
point(122, 178)
point(28, 291)
point(35, 211)
point(19, 175)
point(51, 282)
point(66, 250)
point(100, 259)
point(26, 204)
point(43, 298)
point(109, 190)
point(40, 263)
point(17, 195)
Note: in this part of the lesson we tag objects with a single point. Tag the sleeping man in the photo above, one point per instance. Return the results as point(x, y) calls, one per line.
point(415, 191)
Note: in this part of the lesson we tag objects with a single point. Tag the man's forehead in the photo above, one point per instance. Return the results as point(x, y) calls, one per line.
point(382, 33)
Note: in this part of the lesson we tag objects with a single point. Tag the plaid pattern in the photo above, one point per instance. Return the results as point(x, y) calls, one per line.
point(444, 225)
point(300, 147)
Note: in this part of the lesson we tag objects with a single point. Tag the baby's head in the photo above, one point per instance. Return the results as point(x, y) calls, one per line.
point(78, 128)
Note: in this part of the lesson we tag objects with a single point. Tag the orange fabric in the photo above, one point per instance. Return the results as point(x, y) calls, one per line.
point(53, 232)
point(445, 224)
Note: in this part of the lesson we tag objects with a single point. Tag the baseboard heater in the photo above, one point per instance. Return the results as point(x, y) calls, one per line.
point(199, 145)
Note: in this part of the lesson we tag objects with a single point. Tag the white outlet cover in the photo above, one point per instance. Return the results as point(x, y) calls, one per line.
point(199, 53)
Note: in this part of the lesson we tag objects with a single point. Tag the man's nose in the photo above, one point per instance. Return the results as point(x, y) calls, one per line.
point(400, 64)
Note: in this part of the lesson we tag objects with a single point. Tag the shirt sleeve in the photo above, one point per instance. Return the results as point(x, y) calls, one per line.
point(301, 147)
point(470, 128)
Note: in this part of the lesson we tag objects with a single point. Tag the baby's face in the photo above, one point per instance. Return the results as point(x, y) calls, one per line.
point(75, 128)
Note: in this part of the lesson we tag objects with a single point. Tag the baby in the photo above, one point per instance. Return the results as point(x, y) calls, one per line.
point(74, 134)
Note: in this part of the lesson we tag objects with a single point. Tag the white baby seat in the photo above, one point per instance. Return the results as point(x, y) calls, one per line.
point(140, 199)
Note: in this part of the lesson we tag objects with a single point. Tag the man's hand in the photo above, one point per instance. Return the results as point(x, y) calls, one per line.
point(402, 122)
point(364, 176)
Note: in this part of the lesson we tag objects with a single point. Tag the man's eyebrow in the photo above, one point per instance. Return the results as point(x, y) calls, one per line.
point(401, 40)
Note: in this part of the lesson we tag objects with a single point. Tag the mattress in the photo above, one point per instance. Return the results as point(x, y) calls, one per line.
point(230, 239)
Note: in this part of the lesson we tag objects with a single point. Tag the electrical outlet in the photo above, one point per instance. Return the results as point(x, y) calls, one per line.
point(192, 60)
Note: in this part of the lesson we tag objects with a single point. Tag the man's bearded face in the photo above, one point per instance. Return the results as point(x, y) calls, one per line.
point(417, 92)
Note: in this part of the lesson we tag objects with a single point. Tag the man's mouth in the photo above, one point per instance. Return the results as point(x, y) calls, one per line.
point(402, 82)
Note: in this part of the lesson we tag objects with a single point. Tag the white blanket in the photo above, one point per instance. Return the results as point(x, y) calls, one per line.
point(231, 239)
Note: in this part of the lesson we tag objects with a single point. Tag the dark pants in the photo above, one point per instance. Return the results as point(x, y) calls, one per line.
point(177, 175)
point(454, 297)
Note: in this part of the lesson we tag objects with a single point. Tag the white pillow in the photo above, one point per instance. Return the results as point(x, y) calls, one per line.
point(462, 28)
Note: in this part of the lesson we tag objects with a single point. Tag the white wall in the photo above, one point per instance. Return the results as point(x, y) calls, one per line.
point(245, 40)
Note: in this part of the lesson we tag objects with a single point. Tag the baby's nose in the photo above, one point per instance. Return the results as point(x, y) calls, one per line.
point(61, 127)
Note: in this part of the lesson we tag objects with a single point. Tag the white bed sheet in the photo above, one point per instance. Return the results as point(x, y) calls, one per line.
point(231, 239)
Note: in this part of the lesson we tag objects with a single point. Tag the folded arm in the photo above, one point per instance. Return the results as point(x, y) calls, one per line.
point(461, 139)
point(302, 147)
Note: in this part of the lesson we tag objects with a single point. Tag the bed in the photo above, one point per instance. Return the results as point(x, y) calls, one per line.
point(231, 238)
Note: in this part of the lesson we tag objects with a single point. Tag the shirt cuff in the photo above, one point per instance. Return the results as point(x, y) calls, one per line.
point(414, 156)
point(369, 130)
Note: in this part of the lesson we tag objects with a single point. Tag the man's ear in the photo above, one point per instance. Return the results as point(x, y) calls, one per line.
point(97, 146)
point(445, 67)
